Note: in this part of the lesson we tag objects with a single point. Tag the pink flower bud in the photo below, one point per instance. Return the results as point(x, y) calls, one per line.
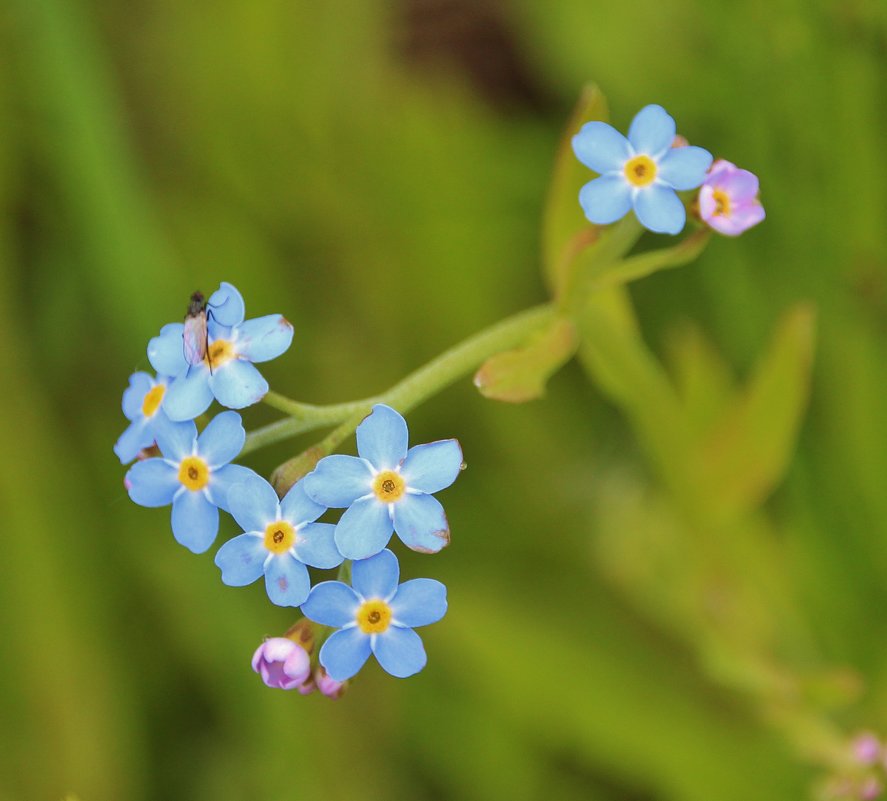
point(866, 748)
point(329, 686)
point(281, 663)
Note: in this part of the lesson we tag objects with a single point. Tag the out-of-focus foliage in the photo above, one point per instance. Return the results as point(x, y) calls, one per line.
point(377, 172)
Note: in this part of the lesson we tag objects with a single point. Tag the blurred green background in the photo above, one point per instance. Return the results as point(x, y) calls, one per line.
point(376, 172)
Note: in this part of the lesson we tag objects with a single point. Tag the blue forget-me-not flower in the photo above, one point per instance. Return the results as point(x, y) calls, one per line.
point(387, 487)
point(375, 615)
point(194, 475)
point(280, 539)
point(640, 172)
point(141, 406)
point(227, 372)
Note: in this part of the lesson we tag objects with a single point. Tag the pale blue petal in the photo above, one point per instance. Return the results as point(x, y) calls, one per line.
point(316, 547)
point(338, 480)
point(660, 210)
point(188, 395)
point(139, 434)
point(419, 602)
point(684, 167)
point(252, 502)
point(345, 653)
point(298, 508)
point(606, 199)
point(601, 147)
point(382, 438)
point(222, 439)
point(652, 131)
point(264, 338)
point(224, 478)
point(153, 482)
point(241, 560)
point(377, 576)
point(195, 521)
point(175, 440)
point(134, 394)
point(287, 581)
point(420, 522)
point(364, 529)
point(400, 651)
point(237, 384)
point(332, 603)
point(167, 351)
point(432, 467)
point(226, 306)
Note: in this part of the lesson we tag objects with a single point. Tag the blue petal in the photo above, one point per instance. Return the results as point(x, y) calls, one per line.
point(432, 467)
point(134, 394)
point(419, 602)
point(377, 576)
point(175, 440)
point(652, 131)
point(337, 481)
point(226, 306)
point(298, 508)
point(241, 560)
point(222, 480)
point(264, 338)
point(316, 547)
point(188, 395)
point(237, 384)
point(606, 199)
point(420, 522)
point(167, 351)
point(195, 521)
point(601, 147)
point(139, 434)
point(153, 482)
point(253, 502)
point(286, 581)
point(332, 603)
point(382, 438)
point(364, 529)
point(345, 653)
point(400, 651)
point(660, 210)
point(684, 167)
point(222, 439)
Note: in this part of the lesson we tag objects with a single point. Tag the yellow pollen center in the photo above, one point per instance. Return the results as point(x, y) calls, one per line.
point(219, 352)
point(374, 617)
point(640, 171)
point(722, 202)
point(193, 473)
point(279, 536)
point(152, 400)
point(389, 486)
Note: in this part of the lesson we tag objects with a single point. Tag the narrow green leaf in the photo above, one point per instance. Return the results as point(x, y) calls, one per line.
point(520, 375)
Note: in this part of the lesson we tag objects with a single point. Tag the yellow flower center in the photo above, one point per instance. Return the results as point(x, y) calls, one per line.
point(389, 486)
point(152, 400)
point(722, 202)
point(279, 536)
point(193, 473)
point(640, 171)
point(374, 617)
point(219, 352)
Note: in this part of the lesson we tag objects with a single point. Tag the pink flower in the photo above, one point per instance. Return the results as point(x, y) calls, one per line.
point(281, 663)
point(728, 199)
point(328, 685)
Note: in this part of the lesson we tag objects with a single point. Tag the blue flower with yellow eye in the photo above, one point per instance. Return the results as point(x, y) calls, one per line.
point(193, 474)
point(280, 538)
point(387, 487)
point(375, 615)
point(141, 406)
point(227, 372)
point(640, 172)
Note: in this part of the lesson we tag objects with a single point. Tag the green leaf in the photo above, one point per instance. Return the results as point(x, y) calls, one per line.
point(520, 375)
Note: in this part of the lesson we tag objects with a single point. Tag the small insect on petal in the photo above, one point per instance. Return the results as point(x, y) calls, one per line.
point(194, 335)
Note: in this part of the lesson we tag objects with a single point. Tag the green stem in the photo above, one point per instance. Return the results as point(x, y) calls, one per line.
point(423, 383)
